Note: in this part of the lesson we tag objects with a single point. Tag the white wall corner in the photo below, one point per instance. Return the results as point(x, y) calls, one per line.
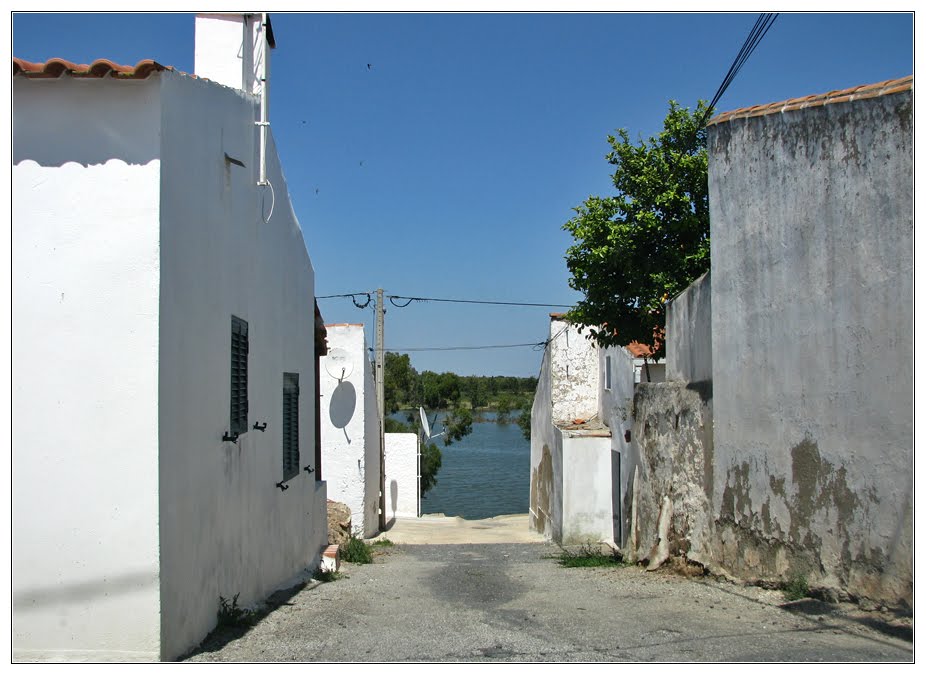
point(230, 49)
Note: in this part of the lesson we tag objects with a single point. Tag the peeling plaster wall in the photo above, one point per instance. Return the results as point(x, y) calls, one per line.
point(573, 372)
point(350, 430)
point(672, 426)
point(812, 312)
point(545, 508)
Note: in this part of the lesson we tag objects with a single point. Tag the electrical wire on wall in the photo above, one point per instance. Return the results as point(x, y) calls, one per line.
point(273, 200)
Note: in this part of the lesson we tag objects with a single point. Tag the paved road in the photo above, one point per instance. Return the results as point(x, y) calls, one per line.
point(513, 602)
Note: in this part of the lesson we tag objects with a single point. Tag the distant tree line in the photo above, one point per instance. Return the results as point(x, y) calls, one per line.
point(406, 388)
point(458, 396)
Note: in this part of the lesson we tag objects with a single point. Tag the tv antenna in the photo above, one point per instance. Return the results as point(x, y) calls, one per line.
point(339, 364)
point(425, 425)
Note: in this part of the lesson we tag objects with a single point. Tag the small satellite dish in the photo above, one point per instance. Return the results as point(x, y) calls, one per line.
point(424, 423)
point(339, 364)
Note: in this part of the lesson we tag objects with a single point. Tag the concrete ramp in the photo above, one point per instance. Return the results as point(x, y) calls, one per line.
point(439, 529)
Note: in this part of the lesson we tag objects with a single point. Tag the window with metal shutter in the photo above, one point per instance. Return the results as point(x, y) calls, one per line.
point(290, 425)
point(239, 376)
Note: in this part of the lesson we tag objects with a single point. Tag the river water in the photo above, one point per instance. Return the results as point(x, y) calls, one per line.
point(485, 474)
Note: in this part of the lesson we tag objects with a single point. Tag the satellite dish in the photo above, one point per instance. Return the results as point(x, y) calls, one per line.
point(424, 423)
point(339, 364)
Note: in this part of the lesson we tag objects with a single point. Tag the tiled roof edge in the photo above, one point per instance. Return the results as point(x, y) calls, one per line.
point(100, 68)
point(860, 92)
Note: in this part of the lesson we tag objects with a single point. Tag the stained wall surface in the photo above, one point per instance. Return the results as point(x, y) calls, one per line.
point(812, 341)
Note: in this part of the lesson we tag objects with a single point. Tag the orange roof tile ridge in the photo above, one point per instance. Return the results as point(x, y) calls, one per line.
point(56, 67)
point(856, 93)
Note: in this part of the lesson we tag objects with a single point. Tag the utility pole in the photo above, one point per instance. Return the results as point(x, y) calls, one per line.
point(381, 405)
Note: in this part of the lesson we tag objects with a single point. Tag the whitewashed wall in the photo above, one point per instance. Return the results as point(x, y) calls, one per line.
point(225, 527)
point(85, 346)
point(587, 489)
point(350, 430)
point(401, 476)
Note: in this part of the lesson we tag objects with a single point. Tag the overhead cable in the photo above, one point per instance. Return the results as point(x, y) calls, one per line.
point(468, 348)
point(759, 29)
point(411, 299)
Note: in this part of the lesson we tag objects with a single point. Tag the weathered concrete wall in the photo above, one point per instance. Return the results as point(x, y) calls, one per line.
point(688, 333)
point(672, 426)
point(812, 341)
point(545, 508)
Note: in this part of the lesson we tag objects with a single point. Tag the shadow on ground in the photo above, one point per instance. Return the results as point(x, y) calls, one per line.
point(223, 635)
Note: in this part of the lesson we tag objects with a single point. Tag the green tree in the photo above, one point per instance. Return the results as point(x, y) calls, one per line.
point(503, 407)
point(400, 383)
point(635, 250)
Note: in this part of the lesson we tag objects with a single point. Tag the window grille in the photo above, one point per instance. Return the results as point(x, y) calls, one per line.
point(239, 376)
point(290, 425)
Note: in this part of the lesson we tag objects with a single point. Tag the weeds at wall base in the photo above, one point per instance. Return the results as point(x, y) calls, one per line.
point(230, 614)
point(327, 575)
point(591, 555)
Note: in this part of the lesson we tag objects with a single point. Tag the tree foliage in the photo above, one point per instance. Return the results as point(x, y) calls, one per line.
point(635, 250)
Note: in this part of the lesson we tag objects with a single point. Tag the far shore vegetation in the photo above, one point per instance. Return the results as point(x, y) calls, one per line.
point(461, 398)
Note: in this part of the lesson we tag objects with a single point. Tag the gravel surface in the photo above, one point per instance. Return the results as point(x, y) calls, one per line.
point(513, 602)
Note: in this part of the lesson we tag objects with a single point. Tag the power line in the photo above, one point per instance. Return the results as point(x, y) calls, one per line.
point(467, 348)
point(759, 29)
point(411, 299)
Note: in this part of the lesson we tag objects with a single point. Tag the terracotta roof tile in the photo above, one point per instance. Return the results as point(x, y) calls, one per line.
point(54, 68)
point(840, 96)
point(638, 350)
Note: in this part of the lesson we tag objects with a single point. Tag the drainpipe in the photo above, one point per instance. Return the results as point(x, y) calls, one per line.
point(264, 101)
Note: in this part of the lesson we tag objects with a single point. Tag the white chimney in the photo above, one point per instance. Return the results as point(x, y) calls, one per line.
point(231, 48)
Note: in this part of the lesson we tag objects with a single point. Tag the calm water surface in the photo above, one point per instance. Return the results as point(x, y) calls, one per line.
point(485, 474)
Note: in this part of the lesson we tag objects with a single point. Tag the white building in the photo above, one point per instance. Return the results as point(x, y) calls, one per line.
point(349, 421)
point(579, 420)
point(163, 305)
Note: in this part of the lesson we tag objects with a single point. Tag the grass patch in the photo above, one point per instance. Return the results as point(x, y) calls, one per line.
point(357, 551)
point(796, 588)
point(230, 614)
point(384, 543)
point(590, 555)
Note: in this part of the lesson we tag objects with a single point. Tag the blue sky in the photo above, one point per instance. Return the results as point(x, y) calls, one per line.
point(448, 167)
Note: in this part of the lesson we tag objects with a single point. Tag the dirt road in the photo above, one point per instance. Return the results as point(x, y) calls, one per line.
point(513, 602)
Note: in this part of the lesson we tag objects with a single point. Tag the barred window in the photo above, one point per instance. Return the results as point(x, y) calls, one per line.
point(239, 376)
point(290, 425)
